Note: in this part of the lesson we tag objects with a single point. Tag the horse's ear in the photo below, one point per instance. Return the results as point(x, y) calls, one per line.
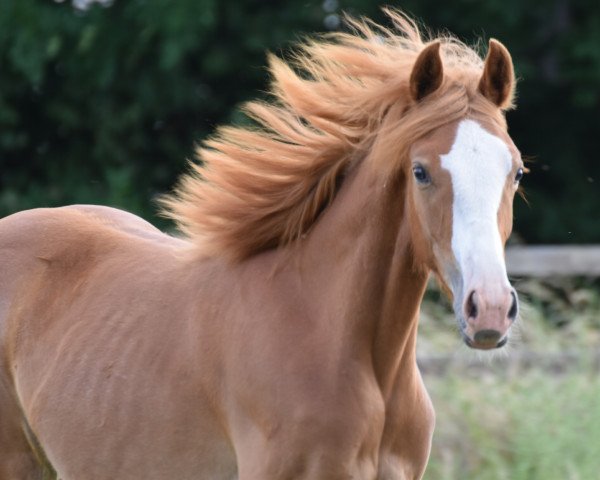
point(428, 72)
point(498, 79)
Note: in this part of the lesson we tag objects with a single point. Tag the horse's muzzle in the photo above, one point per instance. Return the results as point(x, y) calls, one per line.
point(489, 318)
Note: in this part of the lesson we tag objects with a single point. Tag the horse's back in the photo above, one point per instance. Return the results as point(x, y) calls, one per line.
point(45, 227)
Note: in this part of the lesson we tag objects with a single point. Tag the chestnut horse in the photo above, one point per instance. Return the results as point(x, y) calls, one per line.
point(276, 340)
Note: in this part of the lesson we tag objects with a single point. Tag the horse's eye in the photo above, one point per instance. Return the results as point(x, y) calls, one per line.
point(519, 175)
point(421, 175)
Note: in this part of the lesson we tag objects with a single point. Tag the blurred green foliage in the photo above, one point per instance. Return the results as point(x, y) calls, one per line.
point(104, 104)
point(528, 425)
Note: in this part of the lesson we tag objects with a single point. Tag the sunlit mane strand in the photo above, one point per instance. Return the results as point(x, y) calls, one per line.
point(340, 96)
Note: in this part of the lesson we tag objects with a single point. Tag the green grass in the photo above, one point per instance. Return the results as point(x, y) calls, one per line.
point(533, 426)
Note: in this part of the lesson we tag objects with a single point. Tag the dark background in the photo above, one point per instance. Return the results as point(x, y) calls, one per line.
point(103, 103)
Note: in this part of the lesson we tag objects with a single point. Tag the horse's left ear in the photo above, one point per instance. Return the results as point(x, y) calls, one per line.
point(427, 73)
point(498, 79)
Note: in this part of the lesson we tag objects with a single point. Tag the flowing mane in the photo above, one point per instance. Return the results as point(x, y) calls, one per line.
point(341, 96)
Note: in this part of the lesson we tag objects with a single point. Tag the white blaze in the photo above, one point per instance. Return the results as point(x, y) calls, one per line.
point(479, 164)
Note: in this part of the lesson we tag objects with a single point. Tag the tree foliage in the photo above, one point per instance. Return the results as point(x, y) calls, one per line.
point(104, 104)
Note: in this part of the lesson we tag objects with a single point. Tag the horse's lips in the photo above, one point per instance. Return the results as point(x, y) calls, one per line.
point(481, 346)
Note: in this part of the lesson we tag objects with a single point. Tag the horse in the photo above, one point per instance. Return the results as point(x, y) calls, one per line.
point(275, 337)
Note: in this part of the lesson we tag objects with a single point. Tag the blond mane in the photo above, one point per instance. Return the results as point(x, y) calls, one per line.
point(341, 96)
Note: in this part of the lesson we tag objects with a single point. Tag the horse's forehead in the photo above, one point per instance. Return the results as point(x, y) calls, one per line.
point(479, 164)
point(484, 137)
point(476, 149)
point(436, 143)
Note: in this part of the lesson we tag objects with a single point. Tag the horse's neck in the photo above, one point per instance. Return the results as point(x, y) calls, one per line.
point(358, 263)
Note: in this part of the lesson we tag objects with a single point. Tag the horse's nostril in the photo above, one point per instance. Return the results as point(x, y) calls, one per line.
point(471, 306)
point(514, 306)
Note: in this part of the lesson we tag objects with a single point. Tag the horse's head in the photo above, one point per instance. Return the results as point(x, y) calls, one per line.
point(463, 177)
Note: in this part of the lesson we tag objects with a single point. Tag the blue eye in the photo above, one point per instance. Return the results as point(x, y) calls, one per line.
point(519, 175)
point(421, 175)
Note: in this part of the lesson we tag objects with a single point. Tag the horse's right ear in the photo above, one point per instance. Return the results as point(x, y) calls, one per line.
point(428, 72)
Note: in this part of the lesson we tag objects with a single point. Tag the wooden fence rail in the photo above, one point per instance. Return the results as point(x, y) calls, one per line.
point(553, 260)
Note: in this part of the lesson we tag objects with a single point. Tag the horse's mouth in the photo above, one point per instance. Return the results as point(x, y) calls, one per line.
point(483, 343)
